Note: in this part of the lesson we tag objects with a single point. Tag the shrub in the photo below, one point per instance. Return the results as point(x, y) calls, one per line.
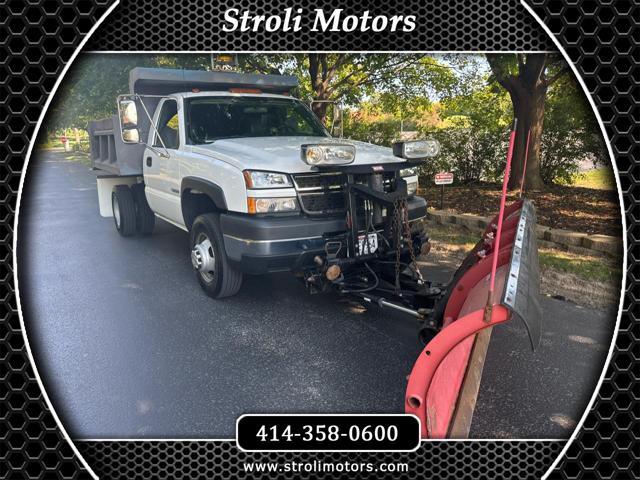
point(471, 153)
point(378, 131)
point(570, 135)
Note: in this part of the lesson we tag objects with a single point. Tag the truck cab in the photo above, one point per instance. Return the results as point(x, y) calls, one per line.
point(228, 158)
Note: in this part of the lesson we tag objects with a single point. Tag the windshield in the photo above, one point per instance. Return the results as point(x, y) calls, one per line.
point(214, 118)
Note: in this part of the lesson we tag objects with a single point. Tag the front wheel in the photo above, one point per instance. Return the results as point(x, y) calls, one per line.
point(209, 259)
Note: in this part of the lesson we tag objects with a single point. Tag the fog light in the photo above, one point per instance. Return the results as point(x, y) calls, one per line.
point(328, 154)
point(416, 149)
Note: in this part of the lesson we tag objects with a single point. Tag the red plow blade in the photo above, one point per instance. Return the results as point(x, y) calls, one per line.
point(504, 261)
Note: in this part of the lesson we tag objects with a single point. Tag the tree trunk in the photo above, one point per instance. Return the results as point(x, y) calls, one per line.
point(528, 91)
point(320, 109)
point(317, 63)
point(533, 178)
point(528, 106)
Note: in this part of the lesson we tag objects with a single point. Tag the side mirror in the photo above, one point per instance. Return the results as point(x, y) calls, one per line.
point(128, 115)
point(131, 135)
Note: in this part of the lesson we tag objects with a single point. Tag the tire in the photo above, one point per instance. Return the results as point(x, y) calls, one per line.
point(145, 218)
point(216, 276)
point(124, 210)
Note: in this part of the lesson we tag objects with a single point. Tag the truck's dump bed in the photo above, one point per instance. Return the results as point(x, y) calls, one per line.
point(111, 155)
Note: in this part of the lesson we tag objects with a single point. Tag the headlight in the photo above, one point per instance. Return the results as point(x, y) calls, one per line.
point(417, 149)
point(328, 154)
point(271, 205)
point(408, 172)
point(412, 188)
point(258, 179)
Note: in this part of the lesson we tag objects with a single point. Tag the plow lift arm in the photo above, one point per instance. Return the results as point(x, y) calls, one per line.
point(497, 281)
point(382, 272)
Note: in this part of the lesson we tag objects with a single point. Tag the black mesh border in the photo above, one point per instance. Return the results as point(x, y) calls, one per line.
point(601, 39)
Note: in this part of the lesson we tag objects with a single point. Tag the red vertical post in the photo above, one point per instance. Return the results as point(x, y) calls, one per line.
point(496, 244)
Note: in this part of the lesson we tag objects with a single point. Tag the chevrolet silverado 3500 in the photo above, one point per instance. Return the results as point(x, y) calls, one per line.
point(250, 172)
point(262, 186)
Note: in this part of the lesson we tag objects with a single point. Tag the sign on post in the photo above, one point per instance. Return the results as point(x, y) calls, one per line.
point(442, 179)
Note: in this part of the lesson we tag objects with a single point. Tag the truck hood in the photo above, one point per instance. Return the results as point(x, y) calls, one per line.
point(282, 154)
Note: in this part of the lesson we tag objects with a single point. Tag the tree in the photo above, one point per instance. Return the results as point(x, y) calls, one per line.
point(527, 77)
point(458, 99)
point(472, 133)
point(349, 78)
point(571, 134)
point(90, 89)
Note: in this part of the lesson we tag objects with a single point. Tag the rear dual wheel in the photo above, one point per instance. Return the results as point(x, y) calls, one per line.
point(145, 218)
point(124, 210)
point(131, 212)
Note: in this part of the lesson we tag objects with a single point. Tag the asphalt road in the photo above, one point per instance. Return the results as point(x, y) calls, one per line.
point(128, 346)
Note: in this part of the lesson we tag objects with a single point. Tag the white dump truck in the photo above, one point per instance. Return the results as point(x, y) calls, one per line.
point(262, 186)
point(258, 181)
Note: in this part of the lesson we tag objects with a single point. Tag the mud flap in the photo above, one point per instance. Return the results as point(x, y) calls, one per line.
point(439, 371)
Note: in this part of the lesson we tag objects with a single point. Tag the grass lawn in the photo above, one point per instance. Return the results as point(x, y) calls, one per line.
point(599, 179)
point(584, 279)
point(584, 266)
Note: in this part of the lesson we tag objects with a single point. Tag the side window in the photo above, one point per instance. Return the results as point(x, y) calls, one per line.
point(168, 125)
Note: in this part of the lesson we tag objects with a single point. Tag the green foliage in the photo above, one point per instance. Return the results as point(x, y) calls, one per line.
point(472, 136)
point(476, 122)
point(402, 82)
point(90, 88)
point(379, 131)
point(472, 154)
point(453, 98)
point(570, 134)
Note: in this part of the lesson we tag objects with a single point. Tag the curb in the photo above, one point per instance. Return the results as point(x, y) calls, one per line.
point(549, 237)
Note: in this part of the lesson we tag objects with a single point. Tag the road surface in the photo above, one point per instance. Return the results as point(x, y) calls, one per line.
point(129, 347)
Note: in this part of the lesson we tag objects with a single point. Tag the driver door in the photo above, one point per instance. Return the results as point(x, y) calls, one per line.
point(162, 167)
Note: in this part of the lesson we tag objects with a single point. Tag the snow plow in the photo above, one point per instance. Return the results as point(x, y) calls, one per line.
point(497, 282)
point(375, 260)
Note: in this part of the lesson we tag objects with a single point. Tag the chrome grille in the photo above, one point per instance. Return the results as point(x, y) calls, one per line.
point(322, 193)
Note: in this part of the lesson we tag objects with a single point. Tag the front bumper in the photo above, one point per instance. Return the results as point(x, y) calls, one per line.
point(259, 245)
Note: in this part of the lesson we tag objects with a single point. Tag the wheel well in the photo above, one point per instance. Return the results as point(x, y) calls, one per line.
point(196, 203)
